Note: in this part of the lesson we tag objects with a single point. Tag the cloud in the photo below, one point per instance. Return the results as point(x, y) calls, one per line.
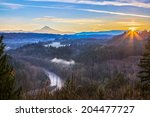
point(131, 23)
point(115, 13)
point(68, 20)
point(48, 18)
point(15, 23)
point(134, 3)
point(17, 6)
point(12, 5)
point(62, 61)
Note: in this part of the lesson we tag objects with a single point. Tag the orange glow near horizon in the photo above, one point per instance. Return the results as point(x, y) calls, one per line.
point(133, 29)
point(132, 34)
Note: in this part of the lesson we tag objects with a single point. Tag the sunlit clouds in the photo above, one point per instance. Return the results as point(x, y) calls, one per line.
point(134, 3)
point(68, 20)
point(71, 24)
point(115, 13)
point(74, 15)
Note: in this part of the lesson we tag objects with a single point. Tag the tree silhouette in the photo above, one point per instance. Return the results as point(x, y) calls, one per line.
point(7, 80)
point(144, 73)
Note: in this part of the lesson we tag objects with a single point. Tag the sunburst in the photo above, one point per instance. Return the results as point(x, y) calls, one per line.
point(133, 34)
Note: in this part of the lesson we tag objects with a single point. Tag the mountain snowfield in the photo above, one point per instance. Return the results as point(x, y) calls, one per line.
point(49, 30)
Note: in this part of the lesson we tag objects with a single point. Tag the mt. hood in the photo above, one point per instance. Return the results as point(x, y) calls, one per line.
point(49, 30)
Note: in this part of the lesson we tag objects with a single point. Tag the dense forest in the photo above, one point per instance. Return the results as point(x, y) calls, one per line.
point(101, 69)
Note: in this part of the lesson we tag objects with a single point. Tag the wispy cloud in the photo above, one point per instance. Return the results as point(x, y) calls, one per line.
point(115, 13)
point(68, 20)
point(12, 5)
point(133, 3)
point(130, 23)
point(17, 6)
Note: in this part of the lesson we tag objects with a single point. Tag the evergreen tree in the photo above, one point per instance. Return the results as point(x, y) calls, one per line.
point(144, 73)
point(7, 80)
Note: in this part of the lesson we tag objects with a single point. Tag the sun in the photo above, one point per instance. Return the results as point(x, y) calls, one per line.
point(132, 29)
point(132, 34)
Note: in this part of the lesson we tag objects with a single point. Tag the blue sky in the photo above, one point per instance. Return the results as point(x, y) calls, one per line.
point(75, 15)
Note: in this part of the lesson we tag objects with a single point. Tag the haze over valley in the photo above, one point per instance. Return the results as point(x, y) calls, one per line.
point(76, 49)
point(54, 58)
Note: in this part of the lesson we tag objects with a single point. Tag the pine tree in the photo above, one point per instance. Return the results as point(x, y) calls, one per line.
point(7, 80)
point(144, 73)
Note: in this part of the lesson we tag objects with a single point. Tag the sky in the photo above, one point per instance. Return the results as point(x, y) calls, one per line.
point(74, 15)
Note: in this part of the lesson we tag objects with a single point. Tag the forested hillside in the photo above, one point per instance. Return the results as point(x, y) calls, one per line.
point(99, 70)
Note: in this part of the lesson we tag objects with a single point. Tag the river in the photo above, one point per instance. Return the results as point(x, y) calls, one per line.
point(54, 80)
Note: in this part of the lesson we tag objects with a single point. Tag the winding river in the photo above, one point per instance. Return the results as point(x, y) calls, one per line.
point(54, 79)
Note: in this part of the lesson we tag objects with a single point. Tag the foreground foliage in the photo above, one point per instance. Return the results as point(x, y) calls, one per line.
point(144, 73)
point(116, 88)
point(7, 80)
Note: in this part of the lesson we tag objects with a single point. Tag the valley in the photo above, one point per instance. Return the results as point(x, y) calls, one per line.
point(51, 63)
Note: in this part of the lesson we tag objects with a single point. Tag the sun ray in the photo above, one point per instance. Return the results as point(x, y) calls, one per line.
point(132, 35)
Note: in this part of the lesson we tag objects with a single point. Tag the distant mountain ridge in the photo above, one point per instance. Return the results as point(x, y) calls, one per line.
point(111, 32)
point(45, 30)
point(96, 35)
point(49, 30)
point(69, 35)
